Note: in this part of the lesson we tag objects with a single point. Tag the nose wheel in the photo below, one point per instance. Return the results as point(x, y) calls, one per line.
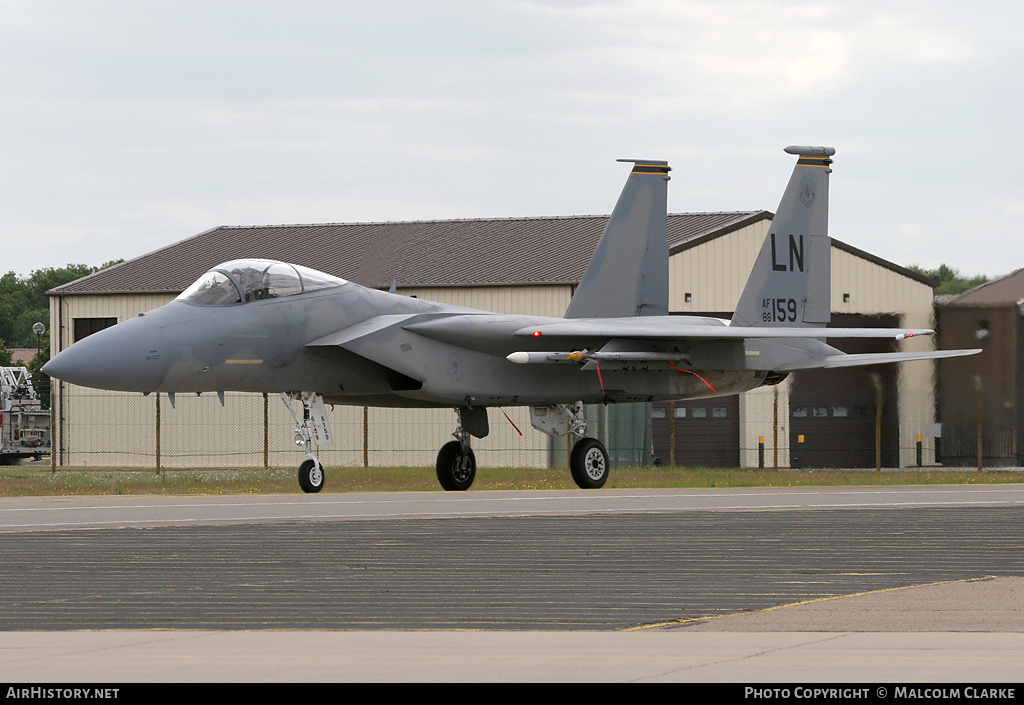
point(311, 476)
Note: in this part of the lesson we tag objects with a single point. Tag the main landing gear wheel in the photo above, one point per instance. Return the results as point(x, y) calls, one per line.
point(589, 464)
point(456, 468)
point(311, 476)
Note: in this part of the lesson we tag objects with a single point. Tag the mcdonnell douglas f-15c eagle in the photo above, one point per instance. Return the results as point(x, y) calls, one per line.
point(267, 326)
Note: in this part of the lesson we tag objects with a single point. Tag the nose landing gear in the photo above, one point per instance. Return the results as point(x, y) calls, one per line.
point(312, 427)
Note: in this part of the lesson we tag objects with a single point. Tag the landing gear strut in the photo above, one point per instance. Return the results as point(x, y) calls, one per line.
point(311, 427)
point(588, 462)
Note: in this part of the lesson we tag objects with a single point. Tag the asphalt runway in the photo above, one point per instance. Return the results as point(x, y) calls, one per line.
point(766, 585)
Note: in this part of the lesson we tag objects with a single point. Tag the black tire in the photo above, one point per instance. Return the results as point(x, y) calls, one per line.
point(455, 470)
point(311, 476)
point(589, 464)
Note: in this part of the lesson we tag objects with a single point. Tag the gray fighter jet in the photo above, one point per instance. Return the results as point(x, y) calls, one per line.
point(266, 326)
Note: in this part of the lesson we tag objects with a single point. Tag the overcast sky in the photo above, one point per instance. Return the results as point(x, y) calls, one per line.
point(128, 125)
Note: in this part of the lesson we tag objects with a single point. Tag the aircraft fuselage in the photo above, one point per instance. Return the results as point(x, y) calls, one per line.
point(270, 345)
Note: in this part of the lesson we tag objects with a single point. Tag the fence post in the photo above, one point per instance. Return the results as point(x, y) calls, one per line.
point(266, 432)
point(978, 401)
point(53, 436)
point(877, 381)
point(158, 433)
point(775, 430)
point(672, 435)
point(60, 425)
point(366, 436)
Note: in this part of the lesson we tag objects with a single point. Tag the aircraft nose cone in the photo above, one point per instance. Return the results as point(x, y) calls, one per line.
point(128, 357)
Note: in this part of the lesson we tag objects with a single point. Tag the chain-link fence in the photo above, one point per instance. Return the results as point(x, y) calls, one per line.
point(770, 427)
point(982, 425)
point(97, 429)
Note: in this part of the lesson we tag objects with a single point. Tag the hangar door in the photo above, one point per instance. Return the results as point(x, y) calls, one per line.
point(835, 410)
point(706, 431)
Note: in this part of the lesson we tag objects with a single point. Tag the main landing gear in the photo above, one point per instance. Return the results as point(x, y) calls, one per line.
point(310, 428)
point(588, 462)
point(456, 464)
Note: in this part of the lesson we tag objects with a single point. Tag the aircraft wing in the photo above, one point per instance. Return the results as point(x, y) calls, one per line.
point(465, 329)
point(510, 336)
point(674, 328)
point(663, 338)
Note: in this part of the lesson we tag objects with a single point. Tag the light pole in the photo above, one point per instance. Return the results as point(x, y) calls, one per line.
point(38, 329)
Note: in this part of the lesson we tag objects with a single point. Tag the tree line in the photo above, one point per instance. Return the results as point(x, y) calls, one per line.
point(951, 281)
point(23, 303)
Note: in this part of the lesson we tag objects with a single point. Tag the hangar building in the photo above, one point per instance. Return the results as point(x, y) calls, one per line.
point(980, 398)
point(849, 418)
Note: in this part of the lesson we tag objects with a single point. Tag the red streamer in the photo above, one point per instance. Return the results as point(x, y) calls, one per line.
point(679, 369)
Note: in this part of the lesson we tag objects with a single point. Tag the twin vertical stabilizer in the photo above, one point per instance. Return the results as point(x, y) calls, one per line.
point(628, 274)
point(790, 284)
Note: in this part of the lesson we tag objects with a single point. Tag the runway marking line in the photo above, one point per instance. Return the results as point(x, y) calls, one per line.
point(450, 507)
point(695, 620)
point(66, 501)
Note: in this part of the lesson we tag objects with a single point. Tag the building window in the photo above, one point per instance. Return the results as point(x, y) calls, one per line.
point(84, 327)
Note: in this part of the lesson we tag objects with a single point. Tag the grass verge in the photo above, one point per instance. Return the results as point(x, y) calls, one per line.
point(38, 480)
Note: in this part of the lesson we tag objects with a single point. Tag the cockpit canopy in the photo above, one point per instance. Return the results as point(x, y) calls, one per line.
point(245, 280)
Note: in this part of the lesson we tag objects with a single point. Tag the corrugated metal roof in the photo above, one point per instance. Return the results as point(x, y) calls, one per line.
point(1004, 291)
point(482, 252)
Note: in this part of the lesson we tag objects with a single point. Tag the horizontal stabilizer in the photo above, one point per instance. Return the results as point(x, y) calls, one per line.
point(833, 361)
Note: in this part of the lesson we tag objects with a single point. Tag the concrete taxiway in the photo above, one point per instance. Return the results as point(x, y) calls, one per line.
point(908, 584)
